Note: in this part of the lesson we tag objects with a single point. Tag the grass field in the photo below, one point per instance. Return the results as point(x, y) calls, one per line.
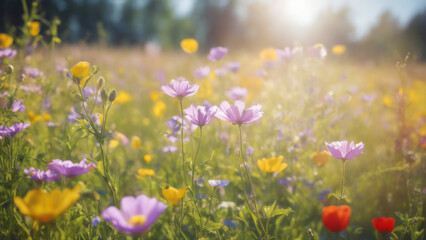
point(306, 101)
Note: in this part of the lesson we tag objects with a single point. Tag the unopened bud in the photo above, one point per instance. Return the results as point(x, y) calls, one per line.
point(104, 96)
point(101, 82)
point(9, 69)
point(112, 95)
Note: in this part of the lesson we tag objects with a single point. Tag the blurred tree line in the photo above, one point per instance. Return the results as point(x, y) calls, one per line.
point(241, 24)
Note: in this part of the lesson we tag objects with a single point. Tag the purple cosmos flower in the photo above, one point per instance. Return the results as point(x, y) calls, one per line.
point(88, 91)
point(15, 129)
point(180, 88)
point(52, 124)
point(324, 194)
point(95, 221)
point(161, 76)
point(17, 106)
point(173, 125)
point(199, 181)
point(286, 54)
point(4, 94)
point(224, 137)
point(7, 53)
point(198, 115)
point(368, 97)
point(32, 89)
point(236, 93)
point(229, 223)
point(136, 214)
point(249, 151)
point(73, 115)
point(261, 73)
point(202, 72)
point(39, 175)
point(318, 51)
point(285, 181)
point(121, 137)
point(236, 114)
point(217, 53)
point(32, 72)
point(220, 72)
point(207, 105)
point(170, 149)
point(70, 169)
point(47, 103)
point(219, 183)
point(233, 66)
point(343, 150)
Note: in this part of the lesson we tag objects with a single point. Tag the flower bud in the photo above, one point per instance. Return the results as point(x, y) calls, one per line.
point(101, 82)
point(104, 95)
point(112, 95)
point(9, 69)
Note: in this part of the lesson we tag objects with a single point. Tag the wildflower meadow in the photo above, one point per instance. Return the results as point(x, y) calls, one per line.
point(206, 141)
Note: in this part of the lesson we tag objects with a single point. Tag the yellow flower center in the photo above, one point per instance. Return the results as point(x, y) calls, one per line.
point(137, 220)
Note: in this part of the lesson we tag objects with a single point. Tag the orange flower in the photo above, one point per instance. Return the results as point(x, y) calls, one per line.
point(321, 158)
point(336, 218)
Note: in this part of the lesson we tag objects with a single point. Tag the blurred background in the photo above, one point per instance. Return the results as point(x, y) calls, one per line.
point(379, 29)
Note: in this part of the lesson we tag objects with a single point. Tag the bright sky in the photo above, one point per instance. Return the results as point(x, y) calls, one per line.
point(363, 13)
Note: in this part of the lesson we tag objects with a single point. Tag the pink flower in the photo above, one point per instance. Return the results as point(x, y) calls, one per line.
point(217, 53)
point(198, 115)
point(343, 150)
point(180, 88)
point(236, 93)
point(236, 114)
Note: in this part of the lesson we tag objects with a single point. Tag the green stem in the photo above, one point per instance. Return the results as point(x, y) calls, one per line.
point(242, 156)
point(194, 163)
point(181, 139)
point(343, 180)
point(210, 207)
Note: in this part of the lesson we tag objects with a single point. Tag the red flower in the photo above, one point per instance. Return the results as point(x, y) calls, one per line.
point(384, 225)
point(336, 218)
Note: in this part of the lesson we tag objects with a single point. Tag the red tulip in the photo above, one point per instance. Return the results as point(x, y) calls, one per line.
point(384, 225)
point(336, 218)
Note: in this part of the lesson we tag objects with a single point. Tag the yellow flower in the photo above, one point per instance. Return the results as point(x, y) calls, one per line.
point(5, 40)
point(154, 95)
point(143, 172)
point(113, 144)
point(159, 108)
point(189, 45)
point(147, 158)
point(45, 207)
point(33, 117)
point(34, 28)
point(145, 121)
point(136, 142)
point(46, 117)
point(388, 101)
point(206, 89)
point(173, 195)
point(321, 158)
point(338, 49)
point(268, 54)
point(271, 164)
point(81, 70)
point(123, 97)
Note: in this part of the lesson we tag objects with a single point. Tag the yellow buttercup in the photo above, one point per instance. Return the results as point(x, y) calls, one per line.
point(45, 207)
point(271, 165)
point(189, 45)
point(5, 40)
point(173, 195)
